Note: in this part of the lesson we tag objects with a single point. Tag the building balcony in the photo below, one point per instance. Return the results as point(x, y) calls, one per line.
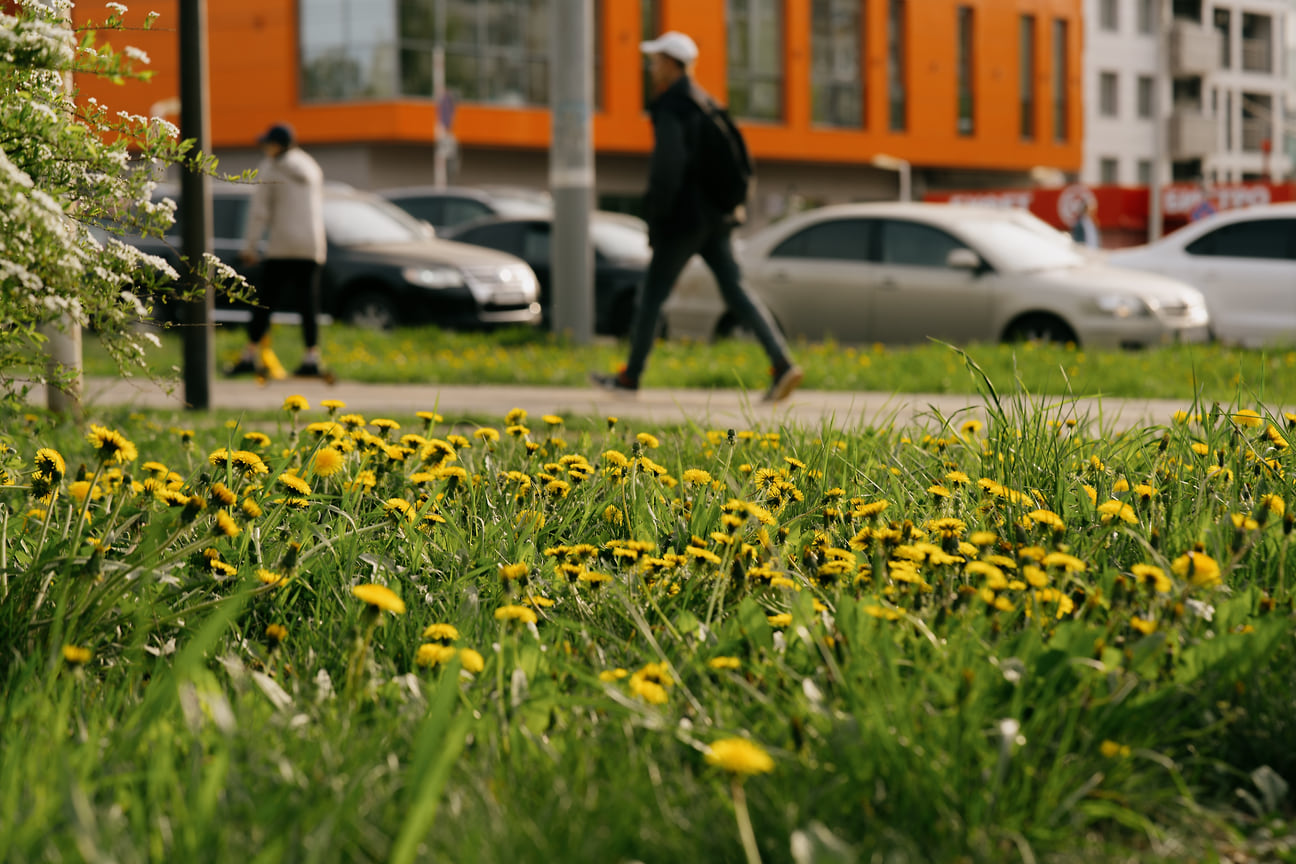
point(1257, 56)
point(1191, 134)
point(1194, 50)
point(1255, 131)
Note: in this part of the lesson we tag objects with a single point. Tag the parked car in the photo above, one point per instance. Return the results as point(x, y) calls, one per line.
point(903, 272)
point(383, 267)
point(621, 256)
point(450, 206)
point(1243, 261)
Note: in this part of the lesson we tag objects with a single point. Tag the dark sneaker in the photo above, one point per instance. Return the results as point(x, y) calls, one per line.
point(618, 383)
point(309, 370)
point(784, 383)
point(244, 367)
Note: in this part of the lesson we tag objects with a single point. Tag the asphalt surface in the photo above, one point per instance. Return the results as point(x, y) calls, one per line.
point(717, 409)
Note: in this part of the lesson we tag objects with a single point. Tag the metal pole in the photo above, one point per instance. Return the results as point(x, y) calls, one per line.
point(1160, 96)
point(195, 204)
point(906, 181)
point(438, 93)
point(571, 169)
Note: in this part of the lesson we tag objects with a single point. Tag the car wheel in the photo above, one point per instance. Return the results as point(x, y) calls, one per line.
point(1040, 327)
point(370, 309)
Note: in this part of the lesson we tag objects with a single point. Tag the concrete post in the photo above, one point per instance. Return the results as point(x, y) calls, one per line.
point(571, 169)
point(63, 347)
point(1161, 96)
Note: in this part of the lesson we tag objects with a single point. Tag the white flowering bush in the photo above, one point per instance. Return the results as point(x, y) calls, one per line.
point(74, 177)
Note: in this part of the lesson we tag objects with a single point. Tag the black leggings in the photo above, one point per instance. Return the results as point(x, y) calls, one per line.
point(283, 281)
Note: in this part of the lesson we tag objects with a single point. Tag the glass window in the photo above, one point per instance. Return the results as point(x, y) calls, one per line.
point(536, 242)
point(496, 51)
point(1026, 75)
point(756, 58)
point(348, 49)
point(1020, 242)
point(1274, 239)
point(1108, 94)
point(361, 222)
point(1108, 171)
point(835, 240)
point(1145, 172)
point(621, 240)
point(457, 211)
point(1108, 16)
point(650, 25)
point(1146, 95)
point(916, 245)
point(897, 97)
point(836, 85)
point(504, 236)
point(1146, 16)
point(229, 216)
point(966, 84)
point(1061, 72)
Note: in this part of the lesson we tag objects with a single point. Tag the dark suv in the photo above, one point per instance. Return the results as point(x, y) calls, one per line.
point(384, 267)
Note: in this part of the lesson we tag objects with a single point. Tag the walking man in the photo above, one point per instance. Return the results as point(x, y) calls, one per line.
point(288, 206)
point(684, 219)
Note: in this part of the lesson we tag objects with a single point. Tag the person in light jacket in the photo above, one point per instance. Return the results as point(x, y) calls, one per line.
point(288, 211)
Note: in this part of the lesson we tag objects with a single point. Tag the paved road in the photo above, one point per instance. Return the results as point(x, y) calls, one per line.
point(709, 408)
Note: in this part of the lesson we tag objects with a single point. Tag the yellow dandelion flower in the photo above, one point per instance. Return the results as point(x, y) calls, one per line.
point(782, 619)
point(697, 477)
point(295, 483)
point(510, 612)
point(1118, 510)
point(380, 597)
point(610, 676)
point(724, 663)
point(49, 463)
point(1201, 570)
point(276, 634)
point(295, 403)
point(538, 601)
point(223, 495)
point(75, 655)
point(651, 683)
point(739, 756)
point(1247, 418)
point(487, 434)
point(1110, 749)
point(269, 577)
point(441, 633)
point(332, 405)
point(647, 440)
point(511, 572)
point(385, 424)
point(248, 462)
point(1069, 563)
point(434, 654)
point(250, 508)
point(327, 462)
point(471, 661)
point(886, 613)
point(226, 525)
point(1143, 625)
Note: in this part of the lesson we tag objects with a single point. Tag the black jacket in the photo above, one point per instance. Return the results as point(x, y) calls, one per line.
point(674, 205)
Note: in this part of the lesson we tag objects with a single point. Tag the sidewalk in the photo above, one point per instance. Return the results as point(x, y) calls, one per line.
point(718, 409)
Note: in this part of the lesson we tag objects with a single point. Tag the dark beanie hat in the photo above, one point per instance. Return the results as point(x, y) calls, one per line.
point(280, 133)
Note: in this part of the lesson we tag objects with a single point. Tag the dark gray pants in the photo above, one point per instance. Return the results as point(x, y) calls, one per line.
point(714, 243)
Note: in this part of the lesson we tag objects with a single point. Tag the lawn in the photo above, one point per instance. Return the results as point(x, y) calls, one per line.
point(570, 639)
point(427, 355)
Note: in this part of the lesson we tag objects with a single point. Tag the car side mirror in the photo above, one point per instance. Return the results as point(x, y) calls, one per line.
point(963, 259)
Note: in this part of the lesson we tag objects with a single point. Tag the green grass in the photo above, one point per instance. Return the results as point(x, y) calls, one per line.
point(1211, 372)
point(946, 639)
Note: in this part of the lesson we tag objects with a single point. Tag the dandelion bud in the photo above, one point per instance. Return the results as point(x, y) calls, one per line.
point(731, 437)
point(1164, 443)
point(1288, 521)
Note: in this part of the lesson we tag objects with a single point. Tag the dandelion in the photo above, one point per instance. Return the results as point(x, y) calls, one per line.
point(552, 420)
point(269, 577)
point(226, 525)
point(1247, 418)
point(296, 403)
point(276, 635)
point(782, 619)
point(739, 756)
point(248, 462)
point(223, 495)
point(250, 508)
point(651, 683)
point(399, 510)
point(487, 434)
point(1110, 749)
point(380, 598)
point(49, 464)
point(445, 633)
point(111, 445)
point(1114, 509)
point(514, 572)
point(1143, 625)
point(385, 425)
point(512, 612)
point(327, 462)
point(724, 663)
point(611, 676)
point(1069, 563)
point(1201, 570)
point(295, 483)
point(471, 661)
point(332, 406)
point(76, 656)
point(433, 654)
point(697, 477)
point(647, 440)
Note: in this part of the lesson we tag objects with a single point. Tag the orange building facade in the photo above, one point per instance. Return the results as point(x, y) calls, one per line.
point(970, 92)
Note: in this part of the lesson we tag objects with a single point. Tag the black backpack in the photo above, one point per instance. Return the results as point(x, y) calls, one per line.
point(724, 167)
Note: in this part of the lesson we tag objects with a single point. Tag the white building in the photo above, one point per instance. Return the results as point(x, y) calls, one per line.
point(1220, 67)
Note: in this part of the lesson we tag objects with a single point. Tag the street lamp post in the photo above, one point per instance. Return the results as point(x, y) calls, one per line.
point(901, 166)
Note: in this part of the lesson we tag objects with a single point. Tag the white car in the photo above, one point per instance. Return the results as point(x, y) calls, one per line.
point(903, 272)
point(1244, 261)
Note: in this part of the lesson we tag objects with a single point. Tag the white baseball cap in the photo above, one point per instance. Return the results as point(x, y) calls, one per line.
point(672, 44)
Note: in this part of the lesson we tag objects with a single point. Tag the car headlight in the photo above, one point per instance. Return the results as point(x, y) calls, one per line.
point(1123, 306)
point(433, 277)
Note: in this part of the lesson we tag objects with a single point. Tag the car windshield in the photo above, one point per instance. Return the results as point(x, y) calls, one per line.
point(356, 221)
point(1017, 247)
point(620, 241)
